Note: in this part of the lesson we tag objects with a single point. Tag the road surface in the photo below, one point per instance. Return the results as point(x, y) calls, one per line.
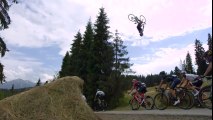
point(168, 114)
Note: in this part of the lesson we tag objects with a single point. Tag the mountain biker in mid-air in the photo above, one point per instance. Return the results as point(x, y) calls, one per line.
point(171, 82)
point(140, 27)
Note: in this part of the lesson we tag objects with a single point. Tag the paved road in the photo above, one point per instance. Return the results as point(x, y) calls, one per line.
point(169, 114)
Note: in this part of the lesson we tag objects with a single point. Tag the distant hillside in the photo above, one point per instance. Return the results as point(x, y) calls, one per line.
point(58, 100)
point(18, 84)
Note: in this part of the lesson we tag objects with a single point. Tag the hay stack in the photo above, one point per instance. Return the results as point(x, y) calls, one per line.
point(59, 100)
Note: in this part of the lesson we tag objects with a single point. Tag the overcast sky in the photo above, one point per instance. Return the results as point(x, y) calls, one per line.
point(42, 31)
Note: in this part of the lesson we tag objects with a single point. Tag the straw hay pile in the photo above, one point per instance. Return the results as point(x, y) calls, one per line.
point(59, 100)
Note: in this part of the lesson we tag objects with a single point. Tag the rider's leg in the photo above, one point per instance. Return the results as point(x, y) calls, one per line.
point(172, 89)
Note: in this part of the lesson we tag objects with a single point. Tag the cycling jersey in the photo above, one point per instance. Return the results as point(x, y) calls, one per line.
point(173, 81)
point(139, 87)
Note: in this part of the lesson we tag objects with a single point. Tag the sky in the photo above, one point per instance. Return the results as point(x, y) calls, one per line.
point(42, 31)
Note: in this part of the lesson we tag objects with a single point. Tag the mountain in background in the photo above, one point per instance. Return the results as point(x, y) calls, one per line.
point(18, 84)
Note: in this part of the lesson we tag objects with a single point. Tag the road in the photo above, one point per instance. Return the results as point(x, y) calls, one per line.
point(169, 114)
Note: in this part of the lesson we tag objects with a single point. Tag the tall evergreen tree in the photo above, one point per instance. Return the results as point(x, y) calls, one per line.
point(87, 62)
point(210, 41)
point(121, 62)
point(189, 67)
point(65, 67)
point(4, 22)
point(76, 57)
point(102, 54)
point(200, 62)
point(88, 39)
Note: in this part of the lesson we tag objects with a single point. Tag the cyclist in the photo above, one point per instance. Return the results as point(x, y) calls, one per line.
point(100, 95)
point(191, 81)
point(171, 81)
point(140, 27)
point(208, 57)
point(138, 88)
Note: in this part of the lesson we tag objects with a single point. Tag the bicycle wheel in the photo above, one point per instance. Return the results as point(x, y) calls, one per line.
point(134, 104)
point(161, 101)
point(192, 98)
point(205, 97)
point(103, 105)
point(185, 100)
point(149, 103)
point(142, 18)
point(131, 17)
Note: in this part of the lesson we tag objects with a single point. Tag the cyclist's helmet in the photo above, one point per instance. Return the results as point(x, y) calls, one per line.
point(183, 72)
point(144, 84)
point(134, 80)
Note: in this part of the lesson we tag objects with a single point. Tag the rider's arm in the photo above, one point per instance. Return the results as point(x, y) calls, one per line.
point(209, 69)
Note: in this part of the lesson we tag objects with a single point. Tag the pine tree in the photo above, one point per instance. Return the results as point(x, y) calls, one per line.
point(200, 62)
point(189, 67)
point(121, 64)
point(86, 49)
point(102, 54)
point(65, 67)
point(76, 57)
point(87, 62)
point(12, 89)
point(39, 82)
point(4, 22)
point(210, 41)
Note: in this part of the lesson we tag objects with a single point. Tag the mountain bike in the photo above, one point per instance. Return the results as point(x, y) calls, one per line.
point(145, 101)
point(163, 99)
point(100, 105)
point(205, 95)
point(136, 20)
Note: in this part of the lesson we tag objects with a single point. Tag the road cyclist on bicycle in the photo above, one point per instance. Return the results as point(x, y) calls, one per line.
point(139, 89)
point(191, 81)
point(100, 100)
point(171, 81)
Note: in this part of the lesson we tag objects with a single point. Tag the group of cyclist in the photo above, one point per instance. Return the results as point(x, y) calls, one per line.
point(183, 79)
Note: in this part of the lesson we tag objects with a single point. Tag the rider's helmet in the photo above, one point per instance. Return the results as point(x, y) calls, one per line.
point(183, 72)
point(144, 84)
point(134, 80)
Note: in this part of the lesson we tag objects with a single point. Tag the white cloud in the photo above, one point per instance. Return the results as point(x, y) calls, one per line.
point(17, 65)
point(165, 59)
